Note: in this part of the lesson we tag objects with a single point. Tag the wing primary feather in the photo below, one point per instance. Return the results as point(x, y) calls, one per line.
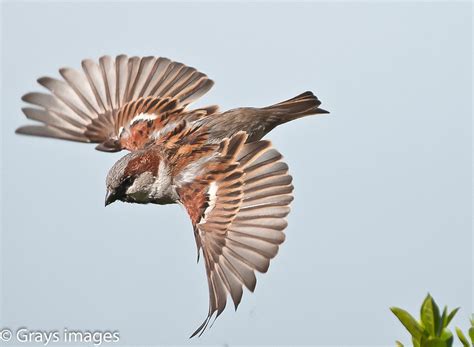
point(108, 75)
point(91, 70)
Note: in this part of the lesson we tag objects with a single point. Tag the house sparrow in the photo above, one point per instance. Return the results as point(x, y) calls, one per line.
point(234, 186)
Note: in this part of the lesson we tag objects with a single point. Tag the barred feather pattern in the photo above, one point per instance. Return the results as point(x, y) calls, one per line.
point(238, 212)
point(85, 104)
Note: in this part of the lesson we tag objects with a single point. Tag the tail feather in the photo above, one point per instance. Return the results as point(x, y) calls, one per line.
point(257, 122)
point(305, 104)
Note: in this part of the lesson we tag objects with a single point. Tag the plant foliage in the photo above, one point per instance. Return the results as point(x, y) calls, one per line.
point(431, 330)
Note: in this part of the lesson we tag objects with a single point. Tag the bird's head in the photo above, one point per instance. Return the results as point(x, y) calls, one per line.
point(133, 178)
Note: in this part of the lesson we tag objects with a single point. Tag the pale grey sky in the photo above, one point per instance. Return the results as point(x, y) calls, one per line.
point(382, 210)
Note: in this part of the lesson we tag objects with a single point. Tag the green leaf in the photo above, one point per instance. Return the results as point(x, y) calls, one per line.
point(447, 336)
point(413, 327)
point(471, 330)
point(422, 340)
point(430, 316)
point(398, 344)
point(462, 337)
point(434, 342)
point(444, 317)
point(451, 315)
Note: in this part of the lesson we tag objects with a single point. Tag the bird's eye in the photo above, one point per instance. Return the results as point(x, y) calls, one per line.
point(127, 182)
point(121, 191)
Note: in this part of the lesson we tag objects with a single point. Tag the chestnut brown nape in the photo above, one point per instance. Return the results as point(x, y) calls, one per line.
point(142, 161)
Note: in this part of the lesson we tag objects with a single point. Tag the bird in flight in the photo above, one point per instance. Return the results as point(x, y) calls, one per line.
point(234, 186)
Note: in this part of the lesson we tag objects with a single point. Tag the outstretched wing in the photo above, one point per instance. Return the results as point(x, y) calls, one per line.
point(89, 105)
point(238, 207)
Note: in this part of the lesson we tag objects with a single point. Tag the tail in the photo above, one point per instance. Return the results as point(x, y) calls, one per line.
point(305, 104)
point(257, 122)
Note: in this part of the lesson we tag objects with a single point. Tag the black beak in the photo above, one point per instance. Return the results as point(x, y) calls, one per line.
point(110, 197)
